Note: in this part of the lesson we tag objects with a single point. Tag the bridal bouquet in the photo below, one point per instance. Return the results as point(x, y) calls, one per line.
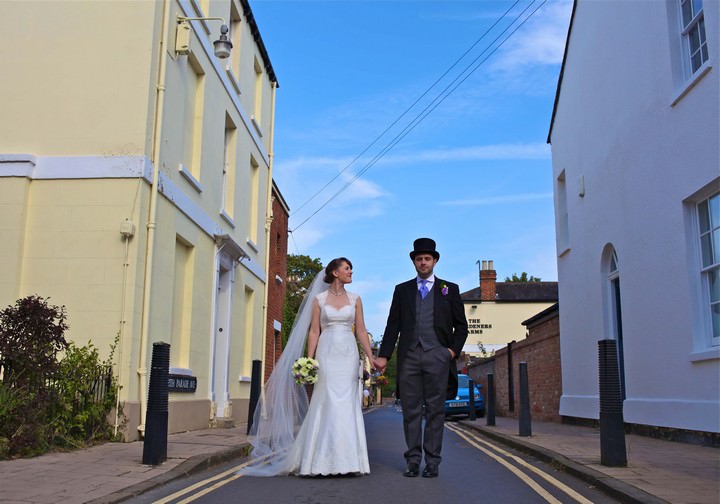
point(305, 370)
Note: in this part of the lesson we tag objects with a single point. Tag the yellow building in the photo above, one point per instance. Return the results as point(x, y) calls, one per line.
point(135, 180)
point(495, 310)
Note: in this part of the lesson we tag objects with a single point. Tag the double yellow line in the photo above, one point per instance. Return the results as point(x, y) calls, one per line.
point(221, 479)
point(513, 463)
point(503, 457)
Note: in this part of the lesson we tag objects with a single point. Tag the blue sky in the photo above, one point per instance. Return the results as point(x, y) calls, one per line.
point(475, 174)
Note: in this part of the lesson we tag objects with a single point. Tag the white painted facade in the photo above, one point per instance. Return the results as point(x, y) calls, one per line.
point(635, 139)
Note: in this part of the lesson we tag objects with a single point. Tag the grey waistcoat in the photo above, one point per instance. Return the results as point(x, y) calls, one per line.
point(424, 330)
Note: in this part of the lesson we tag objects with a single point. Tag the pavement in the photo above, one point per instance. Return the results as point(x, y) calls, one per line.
point(657, 471)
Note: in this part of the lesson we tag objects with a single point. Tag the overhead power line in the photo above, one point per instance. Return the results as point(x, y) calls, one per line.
point(441, 97)
point(408, 109)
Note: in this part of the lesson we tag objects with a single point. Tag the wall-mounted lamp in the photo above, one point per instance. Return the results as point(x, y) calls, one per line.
point(182, 36)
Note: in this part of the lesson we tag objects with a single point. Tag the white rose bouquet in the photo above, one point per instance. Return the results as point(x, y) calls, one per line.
point(305, 370)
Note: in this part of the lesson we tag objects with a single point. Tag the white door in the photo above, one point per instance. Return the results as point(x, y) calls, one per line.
point(221, 346)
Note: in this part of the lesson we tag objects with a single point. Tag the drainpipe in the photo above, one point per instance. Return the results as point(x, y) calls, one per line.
point(127, 232)
point(268, 222)
point(152, 215)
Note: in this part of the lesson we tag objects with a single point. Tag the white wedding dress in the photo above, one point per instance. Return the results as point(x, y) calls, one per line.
point(331, 439)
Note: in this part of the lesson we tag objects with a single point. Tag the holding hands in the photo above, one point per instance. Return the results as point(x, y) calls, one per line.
point(380, 363)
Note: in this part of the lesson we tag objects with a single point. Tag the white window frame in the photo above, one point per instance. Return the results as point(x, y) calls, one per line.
point(696, 22)
point(709, 266)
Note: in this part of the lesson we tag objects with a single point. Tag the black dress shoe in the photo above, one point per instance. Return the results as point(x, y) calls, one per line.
point(412, 470)
point(431, 472)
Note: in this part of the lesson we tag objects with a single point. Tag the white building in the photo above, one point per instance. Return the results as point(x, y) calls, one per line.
point(495, 311)
point(636, 169)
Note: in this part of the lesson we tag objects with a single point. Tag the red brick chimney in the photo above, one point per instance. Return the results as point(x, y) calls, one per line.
point(488, 277)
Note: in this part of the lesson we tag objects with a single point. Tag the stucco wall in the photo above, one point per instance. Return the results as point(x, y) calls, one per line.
point(634, 152)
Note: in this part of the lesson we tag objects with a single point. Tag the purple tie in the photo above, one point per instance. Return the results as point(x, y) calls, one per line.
point(423, 289)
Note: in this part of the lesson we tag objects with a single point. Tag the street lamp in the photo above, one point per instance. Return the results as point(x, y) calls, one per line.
point(182, 36)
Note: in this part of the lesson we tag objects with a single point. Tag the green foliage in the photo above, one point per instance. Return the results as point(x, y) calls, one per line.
point(45, 400)
point(482, 349)
point(21, 413)
point(32, 333)
point(84, 408)
point(301, 272)
point(523, 278)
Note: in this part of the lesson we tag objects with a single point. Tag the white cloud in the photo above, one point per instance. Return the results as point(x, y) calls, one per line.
point(474, 153)
point(541, 41)
point(495, 200)
point(361, 189)
point(304, 165)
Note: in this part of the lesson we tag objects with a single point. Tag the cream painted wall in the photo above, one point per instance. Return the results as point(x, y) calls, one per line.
point(69, 248)
point(248, 54)
point(74, 252)
point(84, 116)
point(88, 79)
point(497, 323)
point(209, 94)
point(13, 200)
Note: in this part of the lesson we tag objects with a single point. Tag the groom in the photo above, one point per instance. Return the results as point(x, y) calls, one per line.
point(427, 314)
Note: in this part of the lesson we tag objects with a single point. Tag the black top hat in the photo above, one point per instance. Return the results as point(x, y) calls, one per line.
point(424, 246)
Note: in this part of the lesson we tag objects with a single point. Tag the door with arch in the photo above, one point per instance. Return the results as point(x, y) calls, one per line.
point(615, 310)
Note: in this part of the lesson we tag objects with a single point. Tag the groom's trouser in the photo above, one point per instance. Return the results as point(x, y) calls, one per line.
point(422, 379)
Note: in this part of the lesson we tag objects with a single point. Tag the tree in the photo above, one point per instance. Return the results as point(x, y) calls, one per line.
point(523, 278)
point(301, 272)
point(52, 392)
point(32, 333)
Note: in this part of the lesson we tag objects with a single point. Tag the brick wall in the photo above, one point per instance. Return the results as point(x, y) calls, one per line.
point(276, 288)
point(479, 370)
point(541, 351)
point(488, 282)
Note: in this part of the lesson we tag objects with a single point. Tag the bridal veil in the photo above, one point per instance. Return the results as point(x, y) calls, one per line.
point(284, 404)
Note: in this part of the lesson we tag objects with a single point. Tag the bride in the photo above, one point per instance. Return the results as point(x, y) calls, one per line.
point(328, 437)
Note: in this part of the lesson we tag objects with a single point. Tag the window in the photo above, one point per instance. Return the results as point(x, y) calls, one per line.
point(182, 291)
point(257, 109)
point(563, 227)
point(192, 121)
point(709, 220)
point(693, 34)
point(235, 38)
point(254, 200)
point(228, 169)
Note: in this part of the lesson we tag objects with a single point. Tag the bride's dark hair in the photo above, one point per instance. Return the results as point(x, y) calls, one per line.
point(332, 266)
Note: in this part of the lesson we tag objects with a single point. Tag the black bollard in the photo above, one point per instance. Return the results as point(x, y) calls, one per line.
point(471, 396)
point(612, 425)
point(156, 416)
point(511, 377)
point(254, 391)
point(524, 414)
point(490, 418)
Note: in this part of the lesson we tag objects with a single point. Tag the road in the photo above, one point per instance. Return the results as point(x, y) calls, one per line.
point(473, 470)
